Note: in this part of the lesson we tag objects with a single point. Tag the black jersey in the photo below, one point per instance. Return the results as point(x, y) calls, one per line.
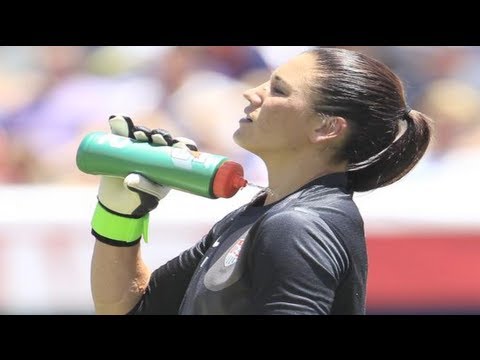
point(304, 254)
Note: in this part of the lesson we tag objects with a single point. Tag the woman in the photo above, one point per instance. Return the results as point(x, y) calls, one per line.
point(328, 123)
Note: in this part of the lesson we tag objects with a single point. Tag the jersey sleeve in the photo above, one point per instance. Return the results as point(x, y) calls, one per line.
point(167, 285)
point(296, 264)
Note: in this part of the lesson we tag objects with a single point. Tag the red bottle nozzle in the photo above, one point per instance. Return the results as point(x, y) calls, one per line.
point(228, 179)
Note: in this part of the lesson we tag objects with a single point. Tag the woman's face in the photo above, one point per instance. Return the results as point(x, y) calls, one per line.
point(279, 110)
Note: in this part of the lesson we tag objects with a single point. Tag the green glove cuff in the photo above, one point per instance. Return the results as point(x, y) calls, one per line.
point(119, 228)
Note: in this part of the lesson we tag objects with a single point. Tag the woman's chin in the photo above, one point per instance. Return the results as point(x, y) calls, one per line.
point(243, 141)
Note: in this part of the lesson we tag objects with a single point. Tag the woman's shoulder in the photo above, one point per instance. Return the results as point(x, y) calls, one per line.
point(330, 211)
point(326, 203)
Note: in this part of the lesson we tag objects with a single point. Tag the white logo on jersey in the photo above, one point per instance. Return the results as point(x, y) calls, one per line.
point(233, 254)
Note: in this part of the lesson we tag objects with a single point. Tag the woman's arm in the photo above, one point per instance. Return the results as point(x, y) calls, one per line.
point(118, 278)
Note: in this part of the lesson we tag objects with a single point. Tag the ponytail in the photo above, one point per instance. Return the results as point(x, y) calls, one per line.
point(397, 159)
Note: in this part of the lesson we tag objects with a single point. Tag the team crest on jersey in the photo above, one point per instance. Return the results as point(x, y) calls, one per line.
point(234, 252)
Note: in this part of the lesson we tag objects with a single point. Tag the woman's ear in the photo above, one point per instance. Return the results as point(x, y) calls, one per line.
point(329, 127)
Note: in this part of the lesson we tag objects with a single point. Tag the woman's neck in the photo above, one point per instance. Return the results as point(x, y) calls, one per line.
point(288, 174)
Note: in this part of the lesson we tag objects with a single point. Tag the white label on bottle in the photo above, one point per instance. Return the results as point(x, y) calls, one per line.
point(206, 160)
point(114, 141)
point(182, 158)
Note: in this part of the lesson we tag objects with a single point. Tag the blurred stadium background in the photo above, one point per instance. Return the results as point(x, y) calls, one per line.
point(423, 233)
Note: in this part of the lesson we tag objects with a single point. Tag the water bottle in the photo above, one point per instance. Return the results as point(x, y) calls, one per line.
point(199, 173)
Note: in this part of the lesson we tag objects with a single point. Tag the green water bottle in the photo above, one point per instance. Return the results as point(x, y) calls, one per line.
point(199, 173)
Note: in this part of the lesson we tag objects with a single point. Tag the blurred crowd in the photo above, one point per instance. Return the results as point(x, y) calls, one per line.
point(50, 97)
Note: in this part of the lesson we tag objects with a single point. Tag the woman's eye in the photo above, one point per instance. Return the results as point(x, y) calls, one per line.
point(276, 90)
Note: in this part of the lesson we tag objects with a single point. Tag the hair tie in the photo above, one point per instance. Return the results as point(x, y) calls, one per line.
point(407, 111)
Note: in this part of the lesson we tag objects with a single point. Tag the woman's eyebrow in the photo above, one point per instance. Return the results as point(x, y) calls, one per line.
point(278, 78)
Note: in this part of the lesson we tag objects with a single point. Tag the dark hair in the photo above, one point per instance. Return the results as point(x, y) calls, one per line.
point(370, 97)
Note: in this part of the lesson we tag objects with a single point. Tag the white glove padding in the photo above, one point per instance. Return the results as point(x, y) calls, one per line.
point(135, 195)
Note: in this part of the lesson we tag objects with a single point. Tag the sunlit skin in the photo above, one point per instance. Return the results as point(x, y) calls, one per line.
point(295, 143)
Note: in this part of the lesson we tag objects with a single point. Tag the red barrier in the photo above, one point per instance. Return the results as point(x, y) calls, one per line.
point(434, 270)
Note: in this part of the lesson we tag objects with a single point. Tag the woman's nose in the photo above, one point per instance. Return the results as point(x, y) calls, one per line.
point(253, 97)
